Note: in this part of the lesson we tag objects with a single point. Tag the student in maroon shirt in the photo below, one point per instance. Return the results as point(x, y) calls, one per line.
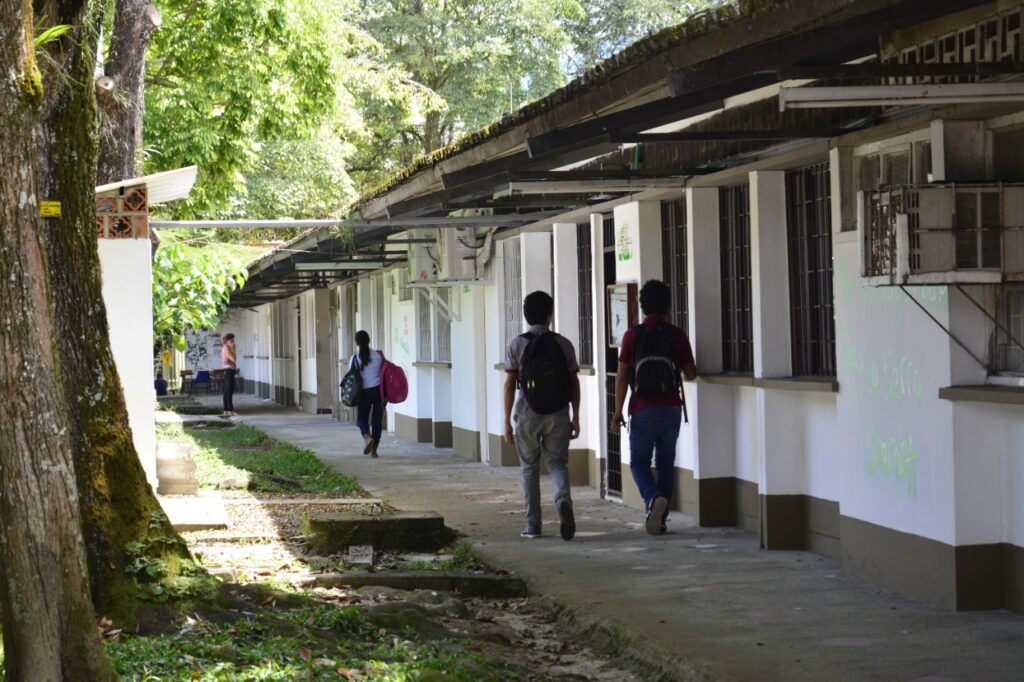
point(652, 357)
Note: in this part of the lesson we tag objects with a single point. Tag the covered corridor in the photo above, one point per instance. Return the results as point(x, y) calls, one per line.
point(698, 603)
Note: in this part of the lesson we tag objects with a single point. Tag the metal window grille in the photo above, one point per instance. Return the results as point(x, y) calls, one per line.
point(809, 221)
point(424, 348)
point(443, 327)
point(404, 292)
point(608, 229)
point(614, 480)
point(737, 313)
point(585, 266)
point(513, 290)
point(1007, 356)
point(673, 253)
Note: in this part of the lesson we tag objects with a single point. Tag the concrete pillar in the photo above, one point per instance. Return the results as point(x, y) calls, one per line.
point(324, 359)
point(769, 260)
point(566, 282)
point(780, 454)
point(710, 495)
point(638, 242)
point(535, 263)
point(843, 187)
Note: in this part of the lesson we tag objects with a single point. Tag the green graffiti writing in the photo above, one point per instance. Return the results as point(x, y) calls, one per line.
point(896, 459)
point(401, 342)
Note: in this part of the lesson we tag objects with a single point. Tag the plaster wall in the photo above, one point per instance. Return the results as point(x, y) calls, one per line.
point(894, 439)
point(127, 293)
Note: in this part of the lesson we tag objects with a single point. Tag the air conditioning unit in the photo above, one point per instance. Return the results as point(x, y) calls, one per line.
point(458, 250)
point(943, 234)
point(424, 264)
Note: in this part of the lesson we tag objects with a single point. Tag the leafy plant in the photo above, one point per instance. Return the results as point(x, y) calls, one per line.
point(191, 289)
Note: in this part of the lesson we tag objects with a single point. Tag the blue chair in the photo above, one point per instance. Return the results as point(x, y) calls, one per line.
point(202, 377)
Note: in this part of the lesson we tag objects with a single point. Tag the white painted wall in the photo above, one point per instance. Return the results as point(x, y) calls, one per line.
point(127, 273)
point(895, 437)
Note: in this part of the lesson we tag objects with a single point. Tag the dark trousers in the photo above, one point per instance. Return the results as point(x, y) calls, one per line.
point(370, 413)
point(229, 389)
point(653, 432)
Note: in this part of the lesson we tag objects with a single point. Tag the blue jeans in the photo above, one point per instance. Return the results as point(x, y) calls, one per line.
point(547, 436)
point(370, 413)
point(653, 431)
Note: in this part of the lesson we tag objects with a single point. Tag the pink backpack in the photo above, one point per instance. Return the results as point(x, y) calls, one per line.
point(394, 386)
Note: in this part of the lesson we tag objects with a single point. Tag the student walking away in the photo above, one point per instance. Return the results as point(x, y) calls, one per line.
point(542, 365)
point(229, 361)
point(370, 412)
point(652, 357)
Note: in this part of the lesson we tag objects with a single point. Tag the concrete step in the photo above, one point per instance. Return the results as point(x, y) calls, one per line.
point(467, 584)
point(175, 469)
point(177, 487)
point(203, 511)
point(414, 531)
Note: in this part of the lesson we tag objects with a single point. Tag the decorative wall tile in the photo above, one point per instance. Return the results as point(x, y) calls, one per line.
point(123, 214)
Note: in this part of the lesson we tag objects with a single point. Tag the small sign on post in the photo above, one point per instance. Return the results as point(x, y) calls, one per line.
point(49, 209)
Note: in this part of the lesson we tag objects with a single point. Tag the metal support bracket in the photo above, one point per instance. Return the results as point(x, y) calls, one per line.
point(996, 322)
point(944, 328)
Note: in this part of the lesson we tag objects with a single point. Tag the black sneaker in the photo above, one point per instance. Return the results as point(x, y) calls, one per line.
point(567, 528)
point(530, 533)
point(656, 516)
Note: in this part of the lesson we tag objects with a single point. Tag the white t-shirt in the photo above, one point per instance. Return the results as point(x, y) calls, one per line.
point(371, 372)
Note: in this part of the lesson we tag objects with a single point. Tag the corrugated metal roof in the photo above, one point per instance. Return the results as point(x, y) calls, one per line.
point(167, 186)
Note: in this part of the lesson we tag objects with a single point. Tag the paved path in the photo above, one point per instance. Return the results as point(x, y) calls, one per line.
point(709, 601)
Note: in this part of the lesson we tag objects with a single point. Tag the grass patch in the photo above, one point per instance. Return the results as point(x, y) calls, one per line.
point(323, 642)
point(244, 452)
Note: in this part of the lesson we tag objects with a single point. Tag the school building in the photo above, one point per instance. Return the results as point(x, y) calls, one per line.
point(834, 192)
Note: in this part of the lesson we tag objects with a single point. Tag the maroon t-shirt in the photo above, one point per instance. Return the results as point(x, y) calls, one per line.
point(683, 357)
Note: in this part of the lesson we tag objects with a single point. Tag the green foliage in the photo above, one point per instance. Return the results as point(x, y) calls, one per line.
point(245, 452)
point(608, 26)
point(313, 643)
point(191, 289)
point(482, 59)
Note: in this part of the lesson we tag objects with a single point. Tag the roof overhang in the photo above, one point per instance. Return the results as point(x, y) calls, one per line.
point(163, 187)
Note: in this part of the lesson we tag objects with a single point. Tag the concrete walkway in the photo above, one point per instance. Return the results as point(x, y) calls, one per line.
point(707, 602)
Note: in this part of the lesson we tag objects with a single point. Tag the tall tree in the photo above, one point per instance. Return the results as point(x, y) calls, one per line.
point(120, 516)
point(120, 91)
point(482, 58)
point(49, 626)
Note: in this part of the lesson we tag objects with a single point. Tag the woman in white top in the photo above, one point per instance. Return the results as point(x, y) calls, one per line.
point(370, 413)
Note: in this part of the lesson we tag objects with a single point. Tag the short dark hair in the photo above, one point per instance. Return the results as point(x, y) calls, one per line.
point(538, 307)
point(655, 297)
point(229, 337)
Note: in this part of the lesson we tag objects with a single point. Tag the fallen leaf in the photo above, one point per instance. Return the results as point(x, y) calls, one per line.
point(323, 662)
point(310, 620)
point(304, 654)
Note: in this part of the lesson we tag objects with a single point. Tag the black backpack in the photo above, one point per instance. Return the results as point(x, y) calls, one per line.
point(544, 373)
point(653, 371)
point(352, 383)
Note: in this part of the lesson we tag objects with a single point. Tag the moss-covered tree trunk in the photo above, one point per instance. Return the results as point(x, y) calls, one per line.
point(49, 626)
point(121, 517)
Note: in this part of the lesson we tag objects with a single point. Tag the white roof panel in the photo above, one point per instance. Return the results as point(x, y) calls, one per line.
point(167, 186)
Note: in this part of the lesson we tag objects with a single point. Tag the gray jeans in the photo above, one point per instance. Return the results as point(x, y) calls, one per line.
point(547, 435)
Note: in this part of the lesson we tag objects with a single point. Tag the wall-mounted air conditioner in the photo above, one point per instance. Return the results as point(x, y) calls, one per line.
point(424, 263)
point(943, 234)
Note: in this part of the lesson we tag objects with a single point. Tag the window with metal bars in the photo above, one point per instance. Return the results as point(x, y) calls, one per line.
point(585, 267)
point(1007, 353)
point(513, 300)
point(608, 230)
point(737, 313)
point(424, 347)
point(673, 254)
point(443, 329)
point(809, 222)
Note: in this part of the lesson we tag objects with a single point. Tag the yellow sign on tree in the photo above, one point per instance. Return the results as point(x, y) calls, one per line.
point(49, 209)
